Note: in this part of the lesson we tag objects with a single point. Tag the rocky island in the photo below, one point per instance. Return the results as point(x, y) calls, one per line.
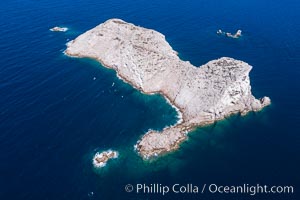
point(59, 29)
point(143, 58)
point(100, 159)
point(237, 35)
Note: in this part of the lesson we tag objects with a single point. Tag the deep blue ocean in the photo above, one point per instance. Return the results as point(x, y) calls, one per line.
point(56, 112)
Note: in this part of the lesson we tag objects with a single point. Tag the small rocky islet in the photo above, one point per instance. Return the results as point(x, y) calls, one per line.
point(143, 58)
point(101, 159)
point(59, 29)
point(237, 35)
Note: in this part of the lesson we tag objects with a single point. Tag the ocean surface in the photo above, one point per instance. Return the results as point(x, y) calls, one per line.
point(56, 112)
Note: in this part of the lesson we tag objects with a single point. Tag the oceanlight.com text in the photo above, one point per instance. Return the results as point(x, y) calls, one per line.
point(189, 188)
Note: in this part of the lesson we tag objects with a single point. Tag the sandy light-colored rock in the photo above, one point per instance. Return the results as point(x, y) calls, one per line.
point(143, 58)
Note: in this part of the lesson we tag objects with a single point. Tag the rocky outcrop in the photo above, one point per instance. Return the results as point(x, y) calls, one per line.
point(238, 34)
point(59, 29)
point(100, 159)
point(143, 58)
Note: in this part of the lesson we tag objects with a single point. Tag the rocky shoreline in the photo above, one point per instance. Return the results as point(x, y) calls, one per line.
point(143, 58)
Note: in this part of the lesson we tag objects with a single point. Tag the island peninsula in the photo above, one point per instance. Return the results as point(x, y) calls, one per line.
point(143, 58)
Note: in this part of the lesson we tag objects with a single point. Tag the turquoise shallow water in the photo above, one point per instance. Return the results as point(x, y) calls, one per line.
point(56, 111)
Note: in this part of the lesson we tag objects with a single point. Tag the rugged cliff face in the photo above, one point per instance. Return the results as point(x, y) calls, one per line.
point(143, 58)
